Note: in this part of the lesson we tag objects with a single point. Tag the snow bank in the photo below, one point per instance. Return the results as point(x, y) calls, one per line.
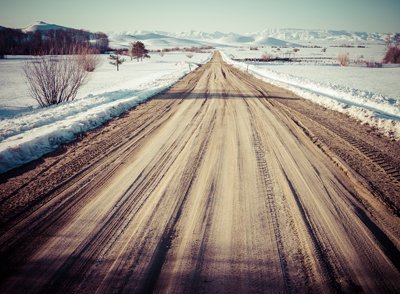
point(33, 133)
point(377, 110)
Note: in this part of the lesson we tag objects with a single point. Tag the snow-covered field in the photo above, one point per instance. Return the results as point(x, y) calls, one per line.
point(372, 52)
point(371, 95)
point(27, 131)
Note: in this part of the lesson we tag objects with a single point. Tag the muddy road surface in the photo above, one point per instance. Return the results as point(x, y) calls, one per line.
point(222, 184)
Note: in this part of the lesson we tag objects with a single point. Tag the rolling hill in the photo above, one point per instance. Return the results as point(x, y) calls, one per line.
point(290, 37)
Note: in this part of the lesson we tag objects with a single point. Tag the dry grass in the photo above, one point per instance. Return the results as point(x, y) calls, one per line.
point(344, 59)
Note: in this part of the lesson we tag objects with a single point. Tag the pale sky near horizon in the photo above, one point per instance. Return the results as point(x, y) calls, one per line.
point(205, 15)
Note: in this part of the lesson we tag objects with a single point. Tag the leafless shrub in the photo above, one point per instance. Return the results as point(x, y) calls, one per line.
point(88, 59)
point(54, 79)
point(343, 59)
point(266, 56)
point(392, 55)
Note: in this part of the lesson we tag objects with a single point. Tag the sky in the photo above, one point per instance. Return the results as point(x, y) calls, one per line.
point(205, 15)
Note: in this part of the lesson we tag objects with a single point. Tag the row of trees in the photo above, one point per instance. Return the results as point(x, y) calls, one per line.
point(200, 49)
point(17, 42)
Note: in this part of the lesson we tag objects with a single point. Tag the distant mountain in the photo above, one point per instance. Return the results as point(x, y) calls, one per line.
point(301, 36)
point(43, 26)
point(269, 37)
point(156, 40)
point(197, 35)
point(234, 39)
point(152, 40)
point(322, 36)
point(45, 38)
point(269, 41)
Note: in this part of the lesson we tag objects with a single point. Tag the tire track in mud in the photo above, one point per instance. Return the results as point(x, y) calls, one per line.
point(169, 231)
point(376, 163)
point(283, 216)
point(329, 272)
point(129, 204)
point(81, 184)
point(382, 153)
point(265, 185)
point(195, 279)
point(342, 274)
point(104, 150)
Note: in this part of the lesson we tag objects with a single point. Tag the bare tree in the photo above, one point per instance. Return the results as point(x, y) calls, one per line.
point(392, 55)
point(116, 59)
point(343, 59)
point(393, 49)
point(131, 50)
point(54, 79)
point(88, 58)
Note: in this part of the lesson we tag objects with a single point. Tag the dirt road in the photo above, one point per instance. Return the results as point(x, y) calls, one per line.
point(222, 184)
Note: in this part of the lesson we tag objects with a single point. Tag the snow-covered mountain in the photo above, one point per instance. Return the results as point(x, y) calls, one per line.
point(25, 41)
point(269, 37)
point(159, 40)
point(289, 35)
point(43, 26)
point(322, 36)
point(152, 40)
